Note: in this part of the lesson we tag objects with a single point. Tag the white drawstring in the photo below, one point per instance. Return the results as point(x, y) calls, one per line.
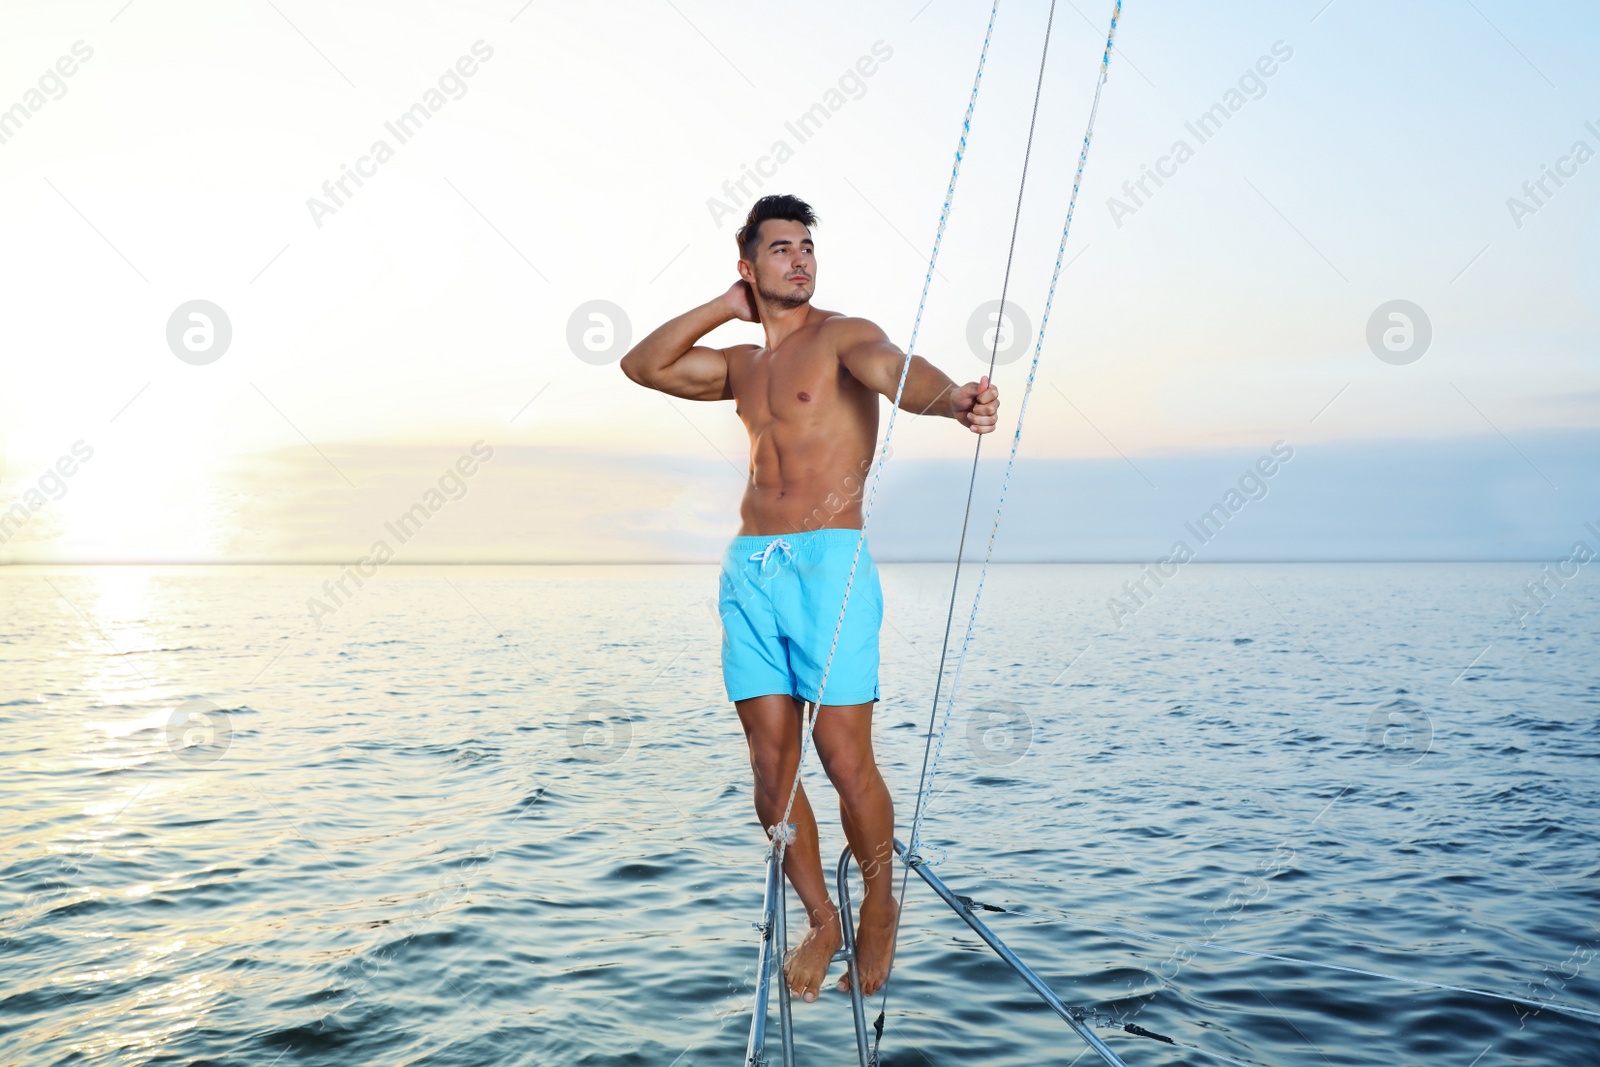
point(777, 542)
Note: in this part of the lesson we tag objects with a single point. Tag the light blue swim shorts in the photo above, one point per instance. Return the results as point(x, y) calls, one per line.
point(779, 602)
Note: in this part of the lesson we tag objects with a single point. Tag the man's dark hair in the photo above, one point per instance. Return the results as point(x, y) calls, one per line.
point(778, 206)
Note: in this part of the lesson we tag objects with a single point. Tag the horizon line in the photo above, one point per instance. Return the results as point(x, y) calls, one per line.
point(714, 562)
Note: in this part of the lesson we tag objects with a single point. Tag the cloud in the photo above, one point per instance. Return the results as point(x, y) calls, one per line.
point(1463, 498)
point(530, 504)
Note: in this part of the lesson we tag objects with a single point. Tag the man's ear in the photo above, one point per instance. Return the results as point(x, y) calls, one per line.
point(746, 271)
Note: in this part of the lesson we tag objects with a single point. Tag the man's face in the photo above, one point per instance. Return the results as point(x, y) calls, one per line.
point(784, 270)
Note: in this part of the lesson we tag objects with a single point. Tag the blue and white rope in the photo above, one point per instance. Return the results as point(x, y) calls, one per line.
point(937, 739)
point(780, 840)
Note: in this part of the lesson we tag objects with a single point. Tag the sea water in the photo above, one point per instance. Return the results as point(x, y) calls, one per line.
point(501, 815)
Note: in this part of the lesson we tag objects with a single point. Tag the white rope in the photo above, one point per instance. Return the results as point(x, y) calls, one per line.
point(783, 832)
point(926, 783)
point(929, 771)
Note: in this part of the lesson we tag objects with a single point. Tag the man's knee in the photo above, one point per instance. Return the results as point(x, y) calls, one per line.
point(854, 776)
point(774, 761)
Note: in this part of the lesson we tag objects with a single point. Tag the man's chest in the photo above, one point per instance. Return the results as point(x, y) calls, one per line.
point(788, 386)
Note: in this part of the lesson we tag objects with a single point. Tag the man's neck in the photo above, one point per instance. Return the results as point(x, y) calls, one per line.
point(779, 321)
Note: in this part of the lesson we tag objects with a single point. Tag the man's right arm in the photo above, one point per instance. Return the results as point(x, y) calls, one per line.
point(670, 361)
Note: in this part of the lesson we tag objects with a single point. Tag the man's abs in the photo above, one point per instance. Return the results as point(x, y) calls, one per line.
point(818, 504)
point(813, 429)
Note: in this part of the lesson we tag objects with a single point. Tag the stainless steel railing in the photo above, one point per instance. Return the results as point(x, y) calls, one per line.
point(769, 964)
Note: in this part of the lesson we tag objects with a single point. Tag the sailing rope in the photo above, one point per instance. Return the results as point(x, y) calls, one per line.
point(930, 770)
point(783, 831)
point(935, 741)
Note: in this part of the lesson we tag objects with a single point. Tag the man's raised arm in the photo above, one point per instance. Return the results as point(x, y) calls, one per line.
point(669, 359)
point(869, 355)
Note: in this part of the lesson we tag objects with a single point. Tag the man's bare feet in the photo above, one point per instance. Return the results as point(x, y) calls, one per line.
point(806, 966)
point(874, 945)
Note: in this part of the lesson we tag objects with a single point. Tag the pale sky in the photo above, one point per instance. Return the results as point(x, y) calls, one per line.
point(375, 340)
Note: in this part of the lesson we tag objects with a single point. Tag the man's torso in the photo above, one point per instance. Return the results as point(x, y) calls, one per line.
point(812, 426)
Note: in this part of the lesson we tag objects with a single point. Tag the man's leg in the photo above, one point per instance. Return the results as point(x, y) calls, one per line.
point(772, 726)
point(843, 738)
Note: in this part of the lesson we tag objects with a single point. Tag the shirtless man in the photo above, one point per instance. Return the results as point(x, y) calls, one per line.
point(809, 399)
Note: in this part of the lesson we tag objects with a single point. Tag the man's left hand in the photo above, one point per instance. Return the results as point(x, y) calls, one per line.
point(976, 405)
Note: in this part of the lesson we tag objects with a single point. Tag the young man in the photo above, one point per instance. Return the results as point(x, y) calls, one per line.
point(809, 399)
